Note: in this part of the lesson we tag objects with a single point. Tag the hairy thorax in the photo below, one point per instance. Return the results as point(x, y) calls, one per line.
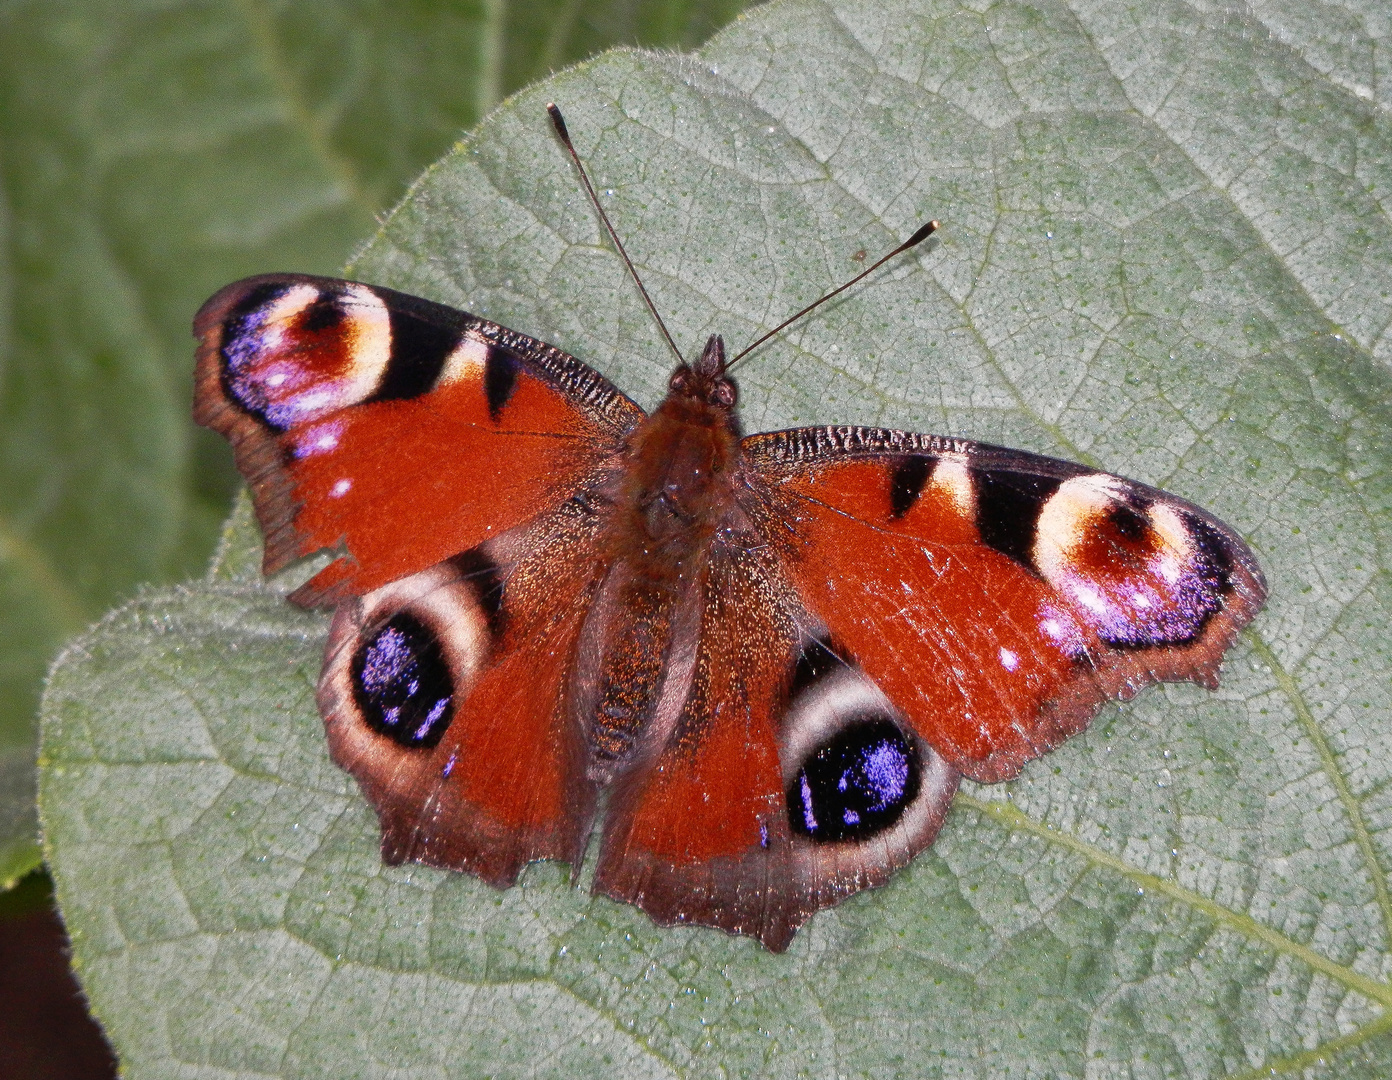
point(676, 486)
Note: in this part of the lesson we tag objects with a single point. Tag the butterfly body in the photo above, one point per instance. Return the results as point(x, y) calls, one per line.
point(776, 653)
point(670, 493)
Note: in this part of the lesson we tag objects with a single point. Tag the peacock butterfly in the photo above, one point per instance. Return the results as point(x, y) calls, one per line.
point(776, 653)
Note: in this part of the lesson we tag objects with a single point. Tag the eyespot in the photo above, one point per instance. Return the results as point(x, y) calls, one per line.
point(863, 792)
point(1142, 573)
point(402, 658)
point(855, 784)
point(852, 767)
point(402, 683)
point(293, 352)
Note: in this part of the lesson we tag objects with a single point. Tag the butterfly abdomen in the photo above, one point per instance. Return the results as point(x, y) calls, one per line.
point(630, 667)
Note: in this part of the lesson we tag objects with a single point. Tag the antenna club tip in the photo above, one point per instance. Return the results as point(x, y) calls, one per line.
point(924, 231)
point(557, 121)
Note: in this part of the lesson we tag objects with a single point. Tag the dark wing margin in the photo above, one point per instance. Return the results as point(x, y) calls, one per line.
point(403, 429)
point(997, 597)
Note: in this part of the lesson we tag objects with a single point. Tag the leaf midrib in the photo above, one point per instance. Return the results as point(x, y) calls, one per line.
point(1009, 816)
point(1318, 1055)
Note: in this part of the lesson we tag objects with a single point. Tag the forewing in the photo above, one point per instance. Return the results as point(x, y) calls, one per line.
point(399, 430)
point(997, 597)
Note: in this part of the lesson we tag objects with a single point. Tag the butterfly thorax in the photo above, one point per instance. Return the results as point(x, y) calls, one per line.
point(675, 494)
point(676, 472)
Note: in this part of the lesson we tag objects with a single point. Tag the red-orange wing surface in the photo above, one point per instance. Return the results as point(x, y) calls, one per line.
point(996, 597)
point(400, 431)
point(445, 694)
point(720, 823)
point(447, 460)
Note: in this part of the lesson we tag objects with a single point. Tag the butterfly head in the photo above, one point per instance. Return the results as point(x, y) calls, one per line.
point(705, 381)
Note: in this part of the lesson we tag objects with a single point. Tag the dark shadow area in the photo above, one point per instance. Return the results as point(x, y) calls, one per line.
point(46, 1032)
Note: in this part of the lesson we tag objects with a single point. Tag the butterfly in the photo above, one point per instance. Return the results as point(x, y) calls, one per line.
point(773, 654)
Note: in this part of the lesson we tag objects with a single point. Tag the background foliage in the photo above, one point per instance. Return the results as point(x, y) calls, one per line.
point(149, 153)
point(1165, 251)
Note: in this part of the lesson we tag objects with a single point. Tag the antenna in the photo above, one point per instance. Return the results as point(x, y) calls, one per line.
point(558, 122)
point(924, 231)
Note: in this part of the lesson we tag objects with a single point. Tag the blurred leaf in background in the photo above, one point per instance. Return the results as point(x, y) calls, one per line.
point(149, 153)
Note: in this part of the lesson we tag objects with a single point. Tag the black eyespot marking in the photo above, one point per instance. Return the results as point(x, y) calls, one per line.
point(401, 683)
point(907, 484)
point(499, 380)
point(1007, 509)
point(856, 784)
point(241, 344)
point(1214, 557)
point(324, 314)
point(486, 577)
point(1129, 523)
point(419, 349)
point(815, 661)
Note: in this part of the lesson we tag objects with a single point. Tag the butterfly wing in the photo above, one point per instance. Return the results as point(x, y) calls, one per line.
point(997, 597)
point(448, 458)
point(897, 610)
point(741, 815)
point(444, 694)
point(401, 429)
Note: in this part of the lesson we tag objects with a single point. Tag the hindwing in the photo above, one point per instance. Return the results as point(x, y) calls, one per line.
point(445, 695)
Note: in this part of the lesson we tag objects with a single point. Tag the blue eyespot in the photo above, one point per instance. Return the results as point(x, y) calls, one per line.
point(856, 784)
point(402, 684)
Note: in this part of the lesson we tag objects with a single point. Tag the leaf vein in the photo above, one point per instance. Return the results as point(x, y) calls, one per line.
point(1362, 837)
point(1010, 817)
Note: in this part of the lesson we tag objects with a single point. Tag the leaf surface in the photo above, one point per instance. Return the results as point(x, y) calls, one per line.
point(1148, 263)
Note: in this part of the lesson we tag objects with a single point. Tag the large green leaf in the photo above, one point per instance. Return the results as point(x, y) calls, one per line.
point(1160, 254)
point(148, 154)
